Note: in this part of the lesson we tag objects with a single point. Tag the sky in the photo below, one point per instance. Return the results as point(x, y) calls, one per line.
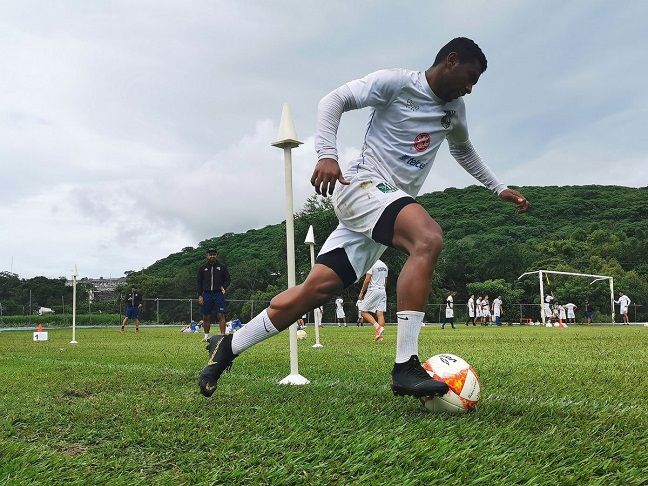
point(130, 130)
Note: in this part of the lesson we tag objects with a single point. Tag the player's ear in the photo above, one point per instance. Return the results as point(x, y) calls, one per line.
point(452, 60)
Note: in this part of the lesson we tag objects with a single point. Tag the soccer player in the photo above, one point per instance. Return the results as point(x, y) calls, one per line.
point(339, 312)
point(478, 310)
point(562, 316)
point(300, 322)
point(213, 280)
point(624, 304)
point(571, 315)
point(471, 310)
point(546, 309)
point(497, 310)
point(413, 113)
point(374, 298)
point(589, 311)
point(449, 311)
point(133, 307)
point(486, 314)
point(360, 321)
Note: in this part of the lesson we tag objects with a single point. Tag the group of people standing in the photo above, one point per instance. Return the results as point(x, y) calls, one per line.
point(484, 311)
point(554, 311)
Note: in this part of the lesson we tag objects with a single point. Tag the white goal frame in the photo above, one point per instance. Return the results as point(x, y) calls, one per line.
point(595, 277)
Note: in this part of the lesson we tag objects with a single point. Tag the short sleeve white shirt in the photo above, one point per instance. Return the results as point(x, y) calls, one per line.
point(378, 274)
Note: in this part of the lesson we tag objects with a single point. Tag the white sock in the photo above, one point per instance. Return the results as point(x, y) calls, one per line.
point(206, 335)
point(409, 325)
point(258, 329)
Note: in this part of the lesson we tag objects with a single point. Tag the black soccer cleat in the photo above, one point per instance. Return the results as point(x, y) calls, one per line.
point(220, 359)
point(410, 378)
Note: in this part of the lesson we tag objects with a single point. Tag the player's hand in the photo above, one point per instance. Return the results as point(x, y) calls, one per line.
point(200, 300)
point(522, 205)
point(327, 172)
point(140, 306)
point(223, 290)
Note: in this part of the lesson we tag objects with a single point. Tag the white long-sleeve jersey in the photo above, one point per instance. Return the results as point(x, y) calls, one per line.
point(408, 124)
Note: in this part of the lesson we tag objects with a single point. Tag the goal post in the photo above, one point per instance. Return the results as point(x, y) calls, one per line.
point(596, 278)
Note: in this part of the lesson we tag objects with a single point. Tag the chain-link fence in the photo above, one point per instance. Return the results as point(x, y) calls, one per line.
point(180, 311)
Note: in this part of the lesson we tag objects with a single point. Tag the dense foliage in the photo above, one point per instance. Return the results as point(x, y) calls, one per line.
point(587, 229)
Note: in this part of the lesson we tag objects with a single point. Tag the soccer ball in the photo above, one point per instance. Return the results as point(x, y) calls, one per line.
point(460, 377)
point(646, 324)
point(301, 334)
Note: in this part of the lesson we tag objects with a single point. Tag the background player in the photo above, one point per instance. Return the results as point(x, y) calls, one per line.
point(374, 298)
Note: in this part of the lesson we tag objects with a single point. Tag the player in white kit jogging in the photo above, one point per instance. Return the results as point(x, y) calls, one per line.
point(374, 298)
point(412, 114)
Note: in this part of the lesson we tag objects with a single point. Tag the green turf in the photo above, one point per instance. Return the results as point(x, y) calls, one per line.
point(558, 407)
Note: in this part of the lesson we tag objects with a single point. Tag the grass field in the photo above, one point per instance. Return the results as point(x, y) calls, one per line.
point(558, 407)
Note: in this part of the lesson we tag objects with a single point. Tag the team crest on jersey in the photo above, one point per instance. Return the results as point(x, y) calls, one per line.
point(422, 142)
point(384, 187)
point(446, 120)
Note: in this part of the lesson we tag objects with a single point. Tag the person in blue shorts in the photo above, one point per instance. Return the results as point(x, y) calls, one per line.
point(213, 280)
point(133, 307)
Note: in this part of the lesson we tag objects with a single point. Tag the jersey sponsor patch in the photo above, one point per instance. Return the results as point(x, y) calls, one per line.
point(422, 141)
point(386, 188)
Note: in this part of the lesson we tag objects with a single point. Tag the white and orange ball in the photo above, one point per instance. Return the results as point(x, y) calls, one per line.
point(462, 379)
point(301, 334)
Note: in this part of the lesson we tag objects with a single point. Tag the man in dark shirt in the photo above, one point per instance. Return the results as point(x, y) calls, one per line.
point(133, 306)
point(213, 280)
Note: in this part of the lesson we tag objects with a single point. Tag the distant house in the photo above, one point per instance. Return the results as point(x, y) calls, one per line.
point(103, 289)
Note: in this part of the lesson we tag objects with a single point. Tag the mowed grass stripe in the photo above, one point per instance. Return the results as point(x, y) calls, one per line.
point(559, 406)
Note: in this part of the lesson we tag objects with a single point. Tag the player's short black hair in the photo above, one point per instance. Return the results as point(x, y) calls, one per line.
point(466, 49)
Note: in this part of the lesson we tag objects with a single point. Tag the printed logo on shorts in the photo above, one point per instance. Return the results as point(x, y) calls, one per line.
point(446, 120)
point(384, 187)
point(422, 141)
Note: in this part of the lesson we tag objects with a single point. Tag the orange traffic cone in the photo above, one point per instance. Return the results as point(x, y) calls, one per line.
point(40, 328)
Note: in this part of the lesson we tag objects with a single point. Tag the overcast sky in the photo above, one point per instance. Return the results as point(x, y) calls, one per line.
point(129, 130)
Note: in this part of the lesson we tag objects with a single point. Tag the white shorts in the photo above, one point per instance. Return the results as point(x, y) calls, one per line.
point(449, 313)
point(339, 314)
point(623, 310)
point(479, 313)
point(471, 313)
point(571, 315)
point(374, 300)
point(359, 206)
point(547, 310)
point(486, 313)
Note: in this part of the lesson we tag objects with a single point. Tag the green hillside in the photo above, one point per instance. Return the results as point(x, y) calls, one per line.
point(588, 229)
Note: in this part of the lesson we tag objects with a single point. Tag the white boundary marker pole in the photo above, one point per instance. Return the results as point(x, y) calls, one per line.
point(75, 273)
point(612, 297)
point(542, 308)
point(310, 241)
point(287, 140)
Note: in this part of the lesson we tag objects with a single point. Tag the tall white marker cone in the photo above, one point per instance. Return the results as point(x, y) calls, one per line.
point(75, 273)
point(310, 241)
point(287, 140)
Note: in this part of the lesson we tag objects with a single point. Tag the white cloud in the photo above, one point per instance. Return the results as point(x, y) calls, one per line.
point(128, 131)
